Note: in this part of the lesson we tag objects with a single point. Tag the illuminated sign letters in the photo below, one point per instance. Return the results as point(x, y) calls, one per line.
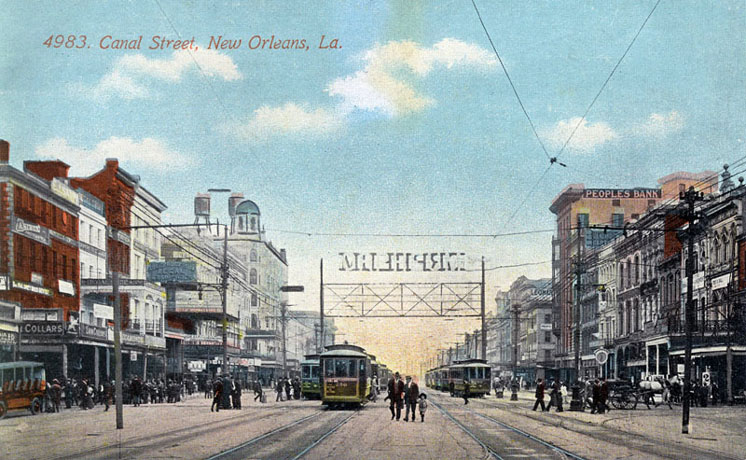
point(402, 261)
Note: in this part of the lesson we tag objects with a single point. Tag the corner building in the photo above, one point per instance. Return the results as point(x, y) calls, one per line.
point(577, 208)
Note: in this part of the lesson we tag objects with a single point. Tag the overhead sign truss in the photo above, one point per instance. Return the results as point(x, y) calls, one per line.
point(387, 300)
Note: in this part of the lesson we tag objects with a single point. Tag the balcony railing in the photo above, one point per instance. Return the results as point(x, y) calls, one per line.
point(149, 327)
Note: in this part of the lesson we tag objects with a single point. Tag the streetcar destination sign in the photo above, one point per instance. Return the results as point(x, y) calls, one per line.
point(402, 261)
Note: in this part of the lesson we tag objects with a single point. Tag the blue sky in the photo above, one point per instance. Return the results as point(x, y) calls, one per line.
point(410, 127)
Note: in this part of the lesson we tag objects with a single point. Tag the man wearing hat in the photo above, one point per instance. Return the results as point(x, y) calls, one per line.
point(411, 394)
point(396, 390)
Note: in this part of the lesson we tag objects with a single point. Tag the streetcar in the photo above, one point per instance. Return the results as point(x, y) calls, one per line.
point(23, 385)
point(384, 375)
point(475, 371)
point(309, 379)
point(346, 375)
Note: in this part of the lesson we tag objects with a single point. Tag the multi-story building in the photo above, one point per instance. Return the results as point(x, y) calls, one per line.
point(502, 348)
point(531, 302)
point(39, 258)
point(128, 204)
point(577, 210)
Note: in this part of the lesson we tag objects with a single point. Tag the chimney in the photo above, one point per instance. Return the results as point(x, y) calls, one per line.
point(4, 151)
point(47, 170)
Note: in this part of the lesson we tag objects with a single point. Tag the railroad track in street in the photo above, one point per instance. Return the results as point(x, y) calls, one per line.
point(135, 447)
point(270, 445)
point(618, 436)
point(506, 442)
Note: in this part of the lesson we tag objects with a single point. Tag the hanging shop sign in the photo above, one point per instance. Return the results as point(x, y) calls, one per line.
point(545, 327)
point(103, 311)
point(402, 261)
point(66, 287)
point(721, 282)
point(33, 231)
point(8, 338)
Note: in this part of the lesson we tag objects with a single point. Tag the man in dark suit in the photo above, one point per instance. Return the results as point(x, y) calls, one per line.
point(540, 395)
point(411, 394)
point(396, 391)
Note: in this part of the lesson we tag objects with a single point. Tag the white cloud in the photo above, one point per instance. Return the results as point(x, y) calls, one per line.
point(290, 118)
point(383, 84)
point(587, 136)
point(131, 72)
point(661, 125)
point(149, 153)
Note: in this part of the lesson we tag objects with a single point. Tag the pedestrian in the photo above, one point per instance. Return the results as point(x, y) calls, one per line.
point(396, 391)
point(563, 392)
point(208, 389)
point(603, 396)
point(278, 390)
point(135, 389)
point(217, 390)
point(107, 386)
point(411, 394)
point(257, 391)
point(56, 395)
point(715, 393)
point(467, 389)
point(287, 389)
point(596, 399)
point(555, 397)
point(296, 388)
point(539, 395)
point(423, 407)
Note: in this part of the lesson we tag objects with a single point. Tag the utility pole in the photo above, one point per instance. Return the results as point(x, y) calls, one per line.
point(484, 329)
point(516, 328)
point(321, 304)
point(224, 291)
point(690, 197)
point(283, 308)
point(576, 404)
point(117, 346)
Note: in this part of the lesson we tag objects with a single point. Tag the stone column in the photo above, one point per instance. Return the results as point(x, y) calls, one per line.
point(64, 360)
point(96, 372)
point(144, 366)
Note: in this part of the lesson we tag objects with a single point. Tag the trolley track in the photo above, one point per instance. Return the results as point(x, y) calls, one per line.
point(506, 442)
point(618, 436)
point(174, 436)
point(268, 446)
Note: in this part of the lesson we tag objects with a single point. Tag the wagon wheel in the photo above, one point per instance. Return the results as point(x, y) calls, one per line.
point(36, 406)
point(616, 401)
point(633, 398)
point(3, 409)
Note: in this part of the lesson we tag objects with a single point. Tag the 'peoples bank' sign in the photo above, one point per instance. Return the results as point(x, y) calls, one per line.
point(617, 193)
point(402, 261)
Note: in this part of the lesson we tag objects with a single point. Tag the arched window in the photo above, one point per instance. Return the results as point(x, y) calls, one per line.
point(252, 276)
point(252, 256)
point(637, 269)
point(716, 247)
point(254, 321)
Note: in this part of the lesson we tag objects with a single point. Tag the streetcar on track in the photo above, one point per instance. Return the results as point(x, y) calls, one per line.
point(346, 375)
point(310, 377)
point(22, 385)
point(475, 371)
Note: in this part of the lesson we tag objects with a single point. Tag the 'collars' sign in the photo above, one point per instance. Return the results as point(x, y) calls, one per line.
point(402, 261)
point(43, 328)
point(617, 193)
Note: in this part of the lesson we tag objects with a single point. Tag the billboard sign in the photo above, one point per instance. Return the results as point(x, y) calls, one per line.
point(402, 261)
point(172, 272)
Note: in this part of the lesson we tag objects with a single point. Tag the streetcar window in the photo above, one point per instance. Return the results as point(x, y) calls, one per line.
point(306, 372)
point(487, 372)
point(328, 368)
point(351, 366)
point(362, 367)
point(341, 368)
point(314, 372)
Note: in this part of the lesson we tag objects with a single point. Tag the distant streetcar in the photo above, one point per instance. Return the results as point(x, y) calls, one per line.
point(451, 378)
point(346, 375)
point(310, 377)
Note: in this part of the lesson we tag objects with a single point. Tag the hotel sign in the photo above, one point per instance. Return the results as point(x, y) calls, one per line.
point(33, 231)
point(616, 193)
point(402, 261)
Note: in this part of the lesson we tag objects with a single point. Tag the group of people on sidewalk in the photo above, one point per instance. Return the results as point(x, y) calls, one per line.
point(287, 389)
point(405, 393)
point(594, 394)
point(226, 393)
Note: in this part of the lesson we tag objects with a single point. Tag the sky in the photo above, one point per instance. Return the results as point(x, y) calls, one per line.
point(391, 118)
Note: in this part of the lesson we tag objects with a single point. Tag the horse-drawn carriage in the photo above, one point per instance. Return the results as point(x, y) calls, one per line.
point(624, 395)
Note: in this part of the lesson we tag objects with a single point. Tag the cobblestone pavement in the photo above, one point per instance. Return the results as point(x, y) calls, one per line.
point(189, 430)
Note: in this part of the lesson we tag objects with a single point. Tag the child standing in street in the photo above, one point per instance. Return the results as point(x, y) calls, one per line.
point(423, 406)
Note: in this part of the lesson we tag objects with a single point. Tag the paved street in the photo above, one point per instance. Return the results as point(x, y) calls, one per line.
point(295, 429)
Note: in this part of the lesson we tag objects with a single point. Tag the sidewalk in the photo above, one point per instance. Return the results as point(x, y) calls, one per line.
point(720, 429)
